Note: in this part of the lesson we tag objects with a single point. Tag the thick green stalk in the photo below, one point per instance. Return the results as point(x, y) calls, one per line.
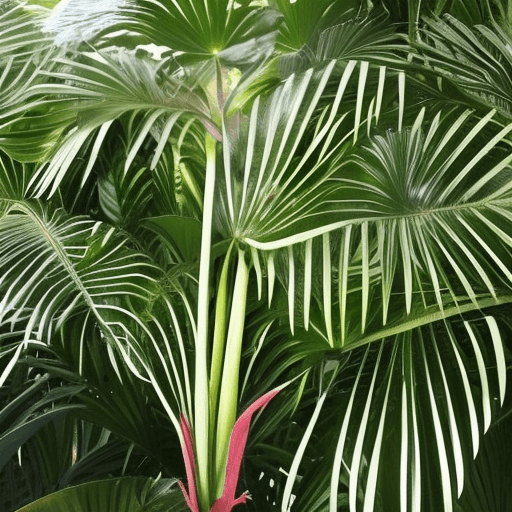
point(201, 414)
point(230, 375)
point(219, 342)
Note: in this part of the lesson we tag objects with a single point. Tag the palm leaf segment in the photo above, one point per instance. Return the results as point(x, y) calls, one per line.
point(101, 87)
point(416, 221)
point(200, 31)
point(477, 60)
point(60, 267)
point(38, 242)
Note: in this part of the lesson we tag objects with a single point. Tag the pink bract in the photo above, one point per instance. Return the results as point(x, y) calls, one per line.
point(237, 444)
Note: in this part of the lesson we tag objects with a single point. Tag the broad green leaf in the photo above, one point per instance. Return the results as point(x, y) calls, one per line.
point(181, 232)
point(120, 494)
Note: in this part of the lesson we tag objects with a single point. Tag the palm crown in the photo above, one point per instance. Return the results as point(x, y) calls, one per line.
point(309, 195)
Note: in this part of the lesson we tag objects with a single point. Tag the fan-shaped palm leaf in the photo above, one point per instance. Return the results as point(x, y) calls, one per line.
point(398, 201)
point(477, 60)
point(407, 202)
point(201, 29)
point(84, 96)
point(388, 228)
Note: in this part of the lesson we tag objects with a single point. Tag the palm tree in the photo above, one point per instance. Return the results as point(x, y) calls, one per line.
point(208, 203)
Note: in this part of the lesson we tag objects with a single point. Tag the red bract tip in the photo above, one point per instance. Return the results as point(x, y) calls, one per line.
point(237, 444)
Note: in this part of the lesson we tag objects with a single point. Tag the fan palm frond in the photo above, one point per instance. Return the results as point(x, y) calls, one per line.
point(83, 97)
point(476, 60)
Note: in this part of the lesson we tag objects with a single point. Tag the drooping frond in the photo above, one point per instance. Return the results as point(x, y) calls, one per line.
point(477, 60)
point(56, 267)
point(411, 423)
point(82, 97)
point(54, 263)
point(398, 222)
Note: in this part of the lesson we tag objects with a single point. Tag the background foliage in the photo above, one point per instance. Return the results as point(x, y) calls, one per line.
point(201, 200)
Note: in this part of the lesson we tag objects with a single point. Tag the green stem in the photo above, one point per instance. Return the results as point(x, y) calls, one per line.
point(201, 415)
point(230, 375)
point(414, 8)
point(221, 100)
point(219, 342)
